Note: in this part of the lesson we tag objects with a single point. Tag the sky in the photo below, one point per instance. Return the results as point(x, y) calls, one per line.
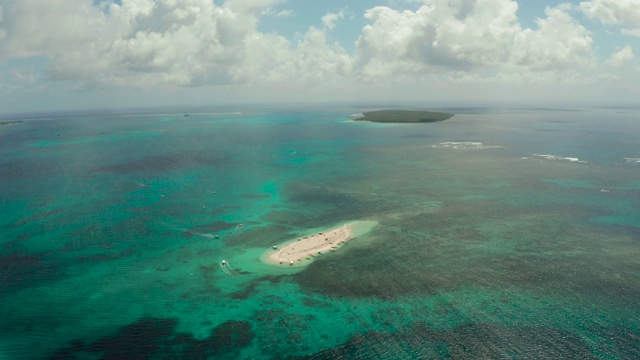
point(95, 54)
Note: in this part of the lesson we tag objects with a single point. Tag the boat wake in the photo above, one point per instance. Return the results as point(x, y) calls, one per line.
point(226, 267)
point(191, 232)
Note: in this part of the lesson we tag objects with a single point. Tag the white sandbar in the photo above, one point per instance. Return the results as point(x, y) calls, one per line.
point(303, 250)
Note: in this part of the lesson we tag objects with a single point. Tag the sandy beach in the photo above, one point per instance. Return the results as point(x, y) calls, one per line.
point(302, 250)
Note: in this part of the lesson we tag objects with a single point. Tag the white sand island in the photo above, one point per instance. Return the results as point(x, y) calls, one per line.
point(302, 251)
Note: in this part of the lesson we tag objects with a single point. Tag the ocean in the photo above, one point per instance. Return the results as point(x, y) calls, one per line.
point(501, 233)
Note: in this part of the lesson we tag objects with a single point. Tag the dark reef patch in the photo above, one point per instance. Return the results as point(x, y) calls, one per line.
point(256, 196)
point(105, 257)
point(48, 215)
point(164, 163)
point(20, 269)
point(226, 340)
point(541, 249)
point(315, 303)
point(367, 278)
point(153, 338)
point(326, 206)
point(20, 170)
point(251, 288)
point(144, 339)
point(474, 341)
point(109, 234)
point(272, 341)
point(624, 343)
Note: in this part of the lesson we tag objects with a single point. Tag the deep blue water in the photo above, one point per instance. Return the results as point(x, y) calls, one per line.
point(502, 233)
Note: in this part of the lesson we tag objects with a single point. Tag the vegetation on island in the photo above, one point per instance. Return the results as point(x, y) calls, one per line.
point(404, 116)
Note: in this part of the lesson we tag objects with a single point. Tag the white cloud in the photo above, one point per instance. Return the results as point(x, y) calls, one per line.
point(613, 12)
point(278, 14)
point(631, 32)
point(625, 13)
point(138, 43)
point(24, 76)
point(466, 34)
point(329, 20)
point(145, 43)
point(559, 42)
point(284, 13)
point(311, 61)
point(621, 57)
point(152, 43)
point(246, 5)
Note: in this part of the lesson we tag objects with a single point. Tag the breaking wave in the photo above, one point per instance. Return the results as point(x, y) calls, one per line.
point(558, 158)
point(464, 145)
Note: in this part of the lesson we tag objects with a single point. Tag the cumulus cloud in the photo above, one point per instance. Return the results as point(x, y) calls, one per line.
point(284, 13)
point(631, 32)
point(625, 13)
point(245, 5)
point(149, 43)
point(138, 42)
point(272, 59)
point(466, 34)
point(621, 57)
point(279, 14)
point(329, 20)
point(559, 42)
point(613, 12)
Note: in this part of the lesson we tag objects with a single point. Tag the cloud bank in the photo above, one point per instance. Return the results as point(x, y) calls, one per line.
point(190, 43)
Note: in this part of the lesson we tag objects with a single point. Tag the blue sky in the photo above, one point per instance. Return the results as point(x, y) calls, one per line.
point(79, 54)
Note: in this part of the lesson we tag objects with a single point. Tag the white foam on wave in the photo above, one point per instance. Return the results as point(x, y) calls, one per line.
point(464, 145)
point(559, 158)
point(632, 160)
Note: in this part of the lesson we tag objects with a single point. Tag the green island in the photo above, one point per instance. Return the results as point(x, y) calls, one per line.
point(404, 116)
point(8, 123)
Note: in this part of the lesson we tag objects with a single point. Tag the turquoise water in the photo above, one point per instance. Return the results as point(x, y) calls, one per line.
point(483, 248)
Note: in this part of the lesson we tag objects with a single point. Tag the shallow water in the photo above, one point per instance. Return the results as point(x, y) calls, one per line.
point(482, 248)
